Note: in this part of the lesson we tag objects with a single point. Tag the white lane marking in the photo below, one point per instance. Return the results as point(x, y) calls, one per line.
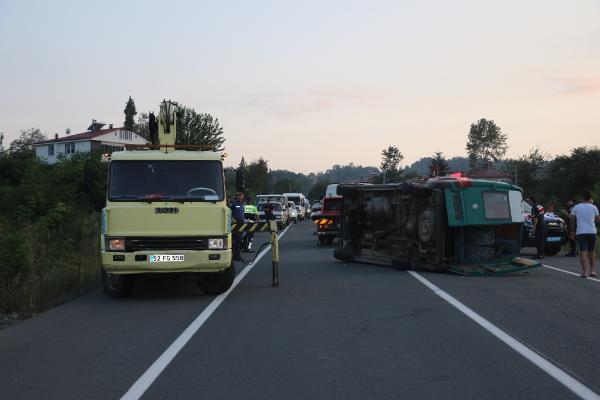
point(561, 376)
point(143, 383)
point(569, 272)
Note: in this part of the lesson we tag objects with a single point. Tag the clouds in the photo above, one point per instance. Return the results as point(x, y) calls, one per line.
point(291, 106)
point(577, 85)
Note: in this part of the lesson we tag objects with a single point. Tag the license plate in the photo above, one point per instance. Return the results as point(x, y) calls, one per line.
point(166, 258)
point(553, 239)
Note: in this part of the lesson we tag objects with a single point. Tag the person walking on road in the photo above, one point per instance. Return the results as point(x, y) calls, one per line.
point(585, 215)
point(539, 226)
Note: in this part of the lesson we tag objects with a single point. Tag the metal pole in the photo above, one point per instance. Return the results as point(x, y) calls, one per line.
point(274, 253)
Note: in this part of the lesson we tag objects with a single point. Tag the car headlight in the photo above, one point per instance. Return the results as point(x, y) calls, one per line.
point(116, 244)
point(215, 244)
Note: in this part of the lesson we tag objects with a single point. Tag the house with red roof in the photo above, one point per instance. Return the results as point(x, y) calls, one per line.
point(95, 139)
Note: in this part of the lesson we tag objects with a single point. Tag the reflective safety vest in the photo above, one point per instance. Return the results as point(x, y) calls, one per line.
point(250, 209)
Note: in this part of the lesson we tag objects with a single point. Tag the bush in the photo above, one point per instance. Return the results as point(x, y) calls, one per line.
point(49, 222)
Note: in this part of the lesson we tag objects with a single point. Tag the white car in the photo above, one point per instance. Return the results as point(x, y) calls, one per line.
point(292, 212)
point(281, 216)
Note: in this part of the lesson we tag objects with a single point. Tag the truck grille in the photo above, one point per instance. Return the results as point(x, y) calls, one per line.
point(166, 243)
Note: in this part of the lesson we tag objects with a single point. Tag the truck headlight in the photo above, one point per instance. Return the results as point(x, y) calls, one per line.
point(215, 244)
point(116, 244)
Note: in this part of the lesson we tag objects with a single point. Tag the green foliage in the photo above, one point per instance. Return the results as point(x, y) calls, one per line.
point(23, 146)
point(569, 175)
point(529, 170)
point(486, 143)
point(257, 177)
point(318, 190)
point(49, 225)
point(200, 129)
point(390, 163)
point(438, 165)
point(141, 125)
point(130, 113)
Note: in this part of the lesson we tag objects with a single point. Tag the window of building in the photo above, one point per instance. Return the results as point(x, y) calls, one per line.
point(69, 148)
point(125, 135)
point(51, 150)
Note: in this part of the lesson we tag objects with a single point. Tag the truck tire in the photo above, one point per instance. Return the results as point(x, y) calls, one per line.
point(118, 286)
point(217, 282)
point(552, 249)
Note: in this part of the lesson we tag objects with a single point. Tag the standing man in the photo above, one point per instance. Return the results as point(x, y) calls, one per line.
point(539, 226)
point(250, 215)
point(585, 215)
point(237, 214)
point(572, 242)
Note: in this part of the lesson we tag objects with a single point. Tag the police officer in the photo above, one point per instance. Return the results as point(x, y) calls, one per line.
point(539, 226)
point(237, 214)
point(250, 215)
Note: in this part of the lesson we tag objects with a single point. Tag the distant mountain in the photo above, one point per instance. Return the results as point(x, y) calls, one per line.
point(347, 173)
point(421, 166)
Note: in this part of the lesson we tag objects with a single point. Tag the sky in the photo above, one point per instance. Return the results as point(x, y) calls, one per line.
point(310, 84)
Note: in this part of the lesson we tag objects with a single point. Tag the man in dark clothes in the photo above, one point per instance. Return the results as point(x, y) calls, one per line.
point(237, 215)
point(539, 226)
point(572, 242)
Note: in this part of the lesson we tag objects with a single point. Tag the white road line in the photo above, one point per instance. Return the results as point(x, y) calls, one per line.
point(143, 383)
point(569, 272)
point(561, 376)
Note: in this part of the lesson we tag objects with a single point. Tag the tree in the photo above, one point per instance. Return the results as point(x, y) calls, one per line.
point(438, 165)
point(486, 143)
point(199, 129)
point(257, 176)
point(528, 170)
point(318, 190)
point(390, 162)
point(240, 176)
point(1, 142)
point(24, 144)
point(130, 113)
point(141, 125)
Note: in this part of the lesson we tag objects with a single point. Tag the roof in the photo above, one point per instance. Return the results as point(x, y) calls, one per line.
point(141, 155)
point(81, 136)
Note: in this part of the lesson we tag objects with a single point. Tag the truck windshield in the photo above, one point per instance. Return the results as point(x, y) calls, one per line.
point(153, 180)
point(274, 206)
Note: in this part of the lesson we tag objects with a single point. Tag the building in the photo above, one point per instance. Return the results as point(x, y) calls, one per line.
point(95, 139)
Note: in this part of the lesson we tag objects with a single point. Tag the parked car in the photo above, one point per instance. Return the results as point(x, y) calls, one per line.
point(556, 231)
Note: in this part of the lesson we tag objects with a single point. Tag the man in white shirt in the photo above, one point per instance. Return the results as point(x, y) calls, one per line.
point(585, 214)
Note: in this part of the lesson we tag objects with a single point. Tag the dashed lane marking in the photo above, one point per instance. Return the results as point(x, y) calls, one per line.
point(561, 376)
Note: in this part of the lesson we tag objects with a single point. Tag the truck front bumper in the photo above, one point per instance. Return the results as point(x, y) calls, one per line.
point(139, 262)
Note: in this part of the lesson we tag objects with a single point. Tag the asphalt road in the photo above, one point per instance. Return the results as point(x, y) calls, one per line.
point(330, 331)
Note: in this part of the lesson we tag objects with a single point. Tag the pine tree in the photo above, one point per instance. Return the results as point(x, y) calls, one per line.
point(438, 165)
point(130, 113)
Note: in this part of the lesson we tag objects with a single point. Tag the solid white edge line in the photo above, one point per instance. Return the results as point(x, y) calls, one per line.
point(569, 272)
point(143, 383)
point(561, 376)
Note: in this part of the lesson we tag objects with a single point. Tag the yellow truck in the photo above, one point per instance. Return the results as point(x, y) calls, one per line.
point(166, 214)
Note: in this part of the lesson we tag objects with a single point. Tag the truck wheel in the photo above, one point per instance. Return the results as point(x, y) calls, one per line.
point(552, 249)
point(217, 282)
point(118, 286)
